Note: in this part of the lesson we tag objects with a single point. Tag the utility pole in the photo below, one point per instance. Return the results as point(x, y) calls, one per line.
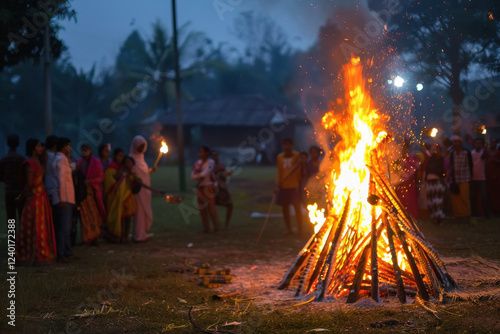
point(180, 135)
point(48, 89)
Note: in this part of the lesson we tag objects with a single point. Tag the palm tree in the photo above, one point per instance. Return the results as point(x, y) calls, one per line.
point(149, 66)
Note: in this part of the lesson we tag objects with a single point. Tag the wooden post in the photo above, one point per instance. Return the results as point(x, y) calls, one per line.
point(333, 250)
point(374, 264)
point(180, 131)
point(414, 269)
point(394, 256)
point(358, 277)
point(48, 87)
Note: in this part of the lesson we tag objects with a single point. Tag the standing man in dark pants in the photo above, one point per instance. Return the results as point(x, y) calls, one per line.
point(10, 173)
point(63, 200)
point(288, 179)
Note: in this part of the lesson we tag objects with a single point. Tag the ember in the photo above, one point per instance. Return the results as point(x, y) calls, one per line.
point(366, 239)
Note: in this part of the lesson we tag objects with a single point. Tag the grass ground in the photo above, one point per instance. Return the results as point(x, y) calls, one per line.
point(126, 289)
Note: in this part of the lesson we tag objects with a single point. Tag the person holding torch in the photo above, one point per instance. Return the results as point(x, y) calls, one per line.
point(143, 219)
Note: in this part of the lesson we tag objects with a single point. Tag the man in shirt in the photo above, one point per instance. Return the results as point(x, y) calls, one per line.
point(63, 200)
point(10, 167)
point(288, 179)
point(478, 183)
point(206, 189)
point(461, 174)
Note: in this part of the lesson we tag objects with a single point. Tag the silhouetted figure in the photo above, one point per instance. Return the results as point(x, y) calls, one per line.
point(288, 179)
point(10, 174)
point(205, 189)
point(223, 198)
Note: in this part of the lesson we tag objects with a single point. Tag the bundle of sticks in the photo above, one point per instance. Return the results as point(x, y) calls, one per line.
point(393, 256)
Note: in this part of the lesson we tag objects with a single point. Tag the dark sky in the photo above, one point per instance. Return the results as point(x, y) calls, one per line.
point(103, 25)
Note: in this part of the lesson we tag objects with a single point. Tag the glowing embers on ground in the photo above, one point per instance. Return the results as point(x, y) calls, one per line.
point(366, 243)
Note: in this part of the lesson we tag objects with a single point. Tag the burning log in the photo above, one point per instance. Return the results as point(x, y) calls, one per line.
point(397, 270)
point(333, 251)
point(369, 244)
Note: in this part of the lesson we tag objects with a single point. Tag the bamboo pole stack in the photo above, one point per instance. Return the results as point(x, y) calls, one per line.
point(393, 256)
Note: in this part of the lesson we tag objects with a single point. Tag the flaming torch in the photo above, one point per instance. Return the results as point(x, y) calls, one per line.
point(163, 150)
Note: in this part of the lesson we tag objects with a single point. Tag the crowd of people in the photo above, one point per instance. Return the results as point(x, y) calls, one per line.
point(47, 194)
point(441, 181)
point(449, 180)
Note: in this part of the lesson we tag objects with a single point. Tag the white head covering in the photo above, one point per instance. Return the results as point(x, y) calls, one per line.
point(141, 168)
point(144, 215)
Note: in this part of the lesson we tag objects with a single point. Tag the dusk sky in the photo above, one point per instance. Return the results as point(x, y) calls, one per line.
point(102, 26)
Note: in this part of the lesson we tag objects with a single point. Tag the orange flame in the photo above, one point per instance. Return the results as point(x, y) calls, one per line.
point(164, 147)
point(362, 130)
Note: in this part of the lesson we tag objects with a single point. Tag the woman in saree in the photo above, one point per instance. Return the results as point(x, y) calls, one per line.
point(36, 244)
point(121, 200)
point(406, 187)
point(143, 218)
point(109, 180)
point(123, 205)
point(92, 211)
point(435, 174)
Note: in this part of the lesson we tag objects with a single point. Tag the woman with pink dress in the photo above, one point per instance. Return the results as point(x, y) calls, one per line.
point(143, 218)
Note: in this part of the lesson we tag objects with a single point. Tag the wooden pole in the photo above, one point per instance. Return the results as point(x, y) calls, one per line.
point(374, 264)
point(397, 271)
point(48, 87)
point(180, 132)
point(267, 218)
point(358, 277)
point(411, 261)
point(333, 250)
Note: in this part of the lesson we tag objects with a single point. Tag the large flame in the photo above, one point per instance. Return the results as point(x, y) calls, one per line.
point(361, 129)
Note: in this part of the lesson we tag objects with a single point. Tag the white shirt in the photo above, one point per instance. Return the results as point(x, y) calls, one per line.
point(202, 172)
point(65, 191)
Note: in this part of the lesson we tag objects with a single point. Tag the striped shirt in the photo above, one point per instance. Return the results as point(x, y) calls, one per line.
point(462, 166)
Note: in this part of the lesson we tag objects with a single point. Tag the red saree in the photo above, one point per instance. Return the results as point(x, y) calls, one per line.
point(35, 239)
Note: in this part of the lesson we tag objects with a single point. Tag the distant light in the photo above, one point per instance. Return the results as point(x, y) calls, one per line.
point(490, 16)
point(398, 81)
point(484, 131)
point(389, 82)
point(434, 132)
point(420, 87)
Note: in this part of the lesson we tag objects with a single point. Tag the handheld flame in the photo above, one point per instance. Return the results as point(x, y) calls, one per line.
point(163, 150)
point(164, 147)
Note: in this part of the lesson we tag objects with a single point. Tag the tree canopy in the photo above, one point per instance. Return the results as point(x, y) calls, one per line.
point(443, 41)
point(22, 26)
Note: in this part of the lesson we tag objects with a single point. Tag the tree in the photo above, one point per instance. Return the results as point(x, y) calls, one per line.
point(148, 65)
point(443, 40)
point(22, 23)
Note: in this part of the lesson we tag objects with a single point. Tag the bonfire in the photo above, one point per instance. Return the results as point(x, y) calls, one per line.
point(365, 243)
